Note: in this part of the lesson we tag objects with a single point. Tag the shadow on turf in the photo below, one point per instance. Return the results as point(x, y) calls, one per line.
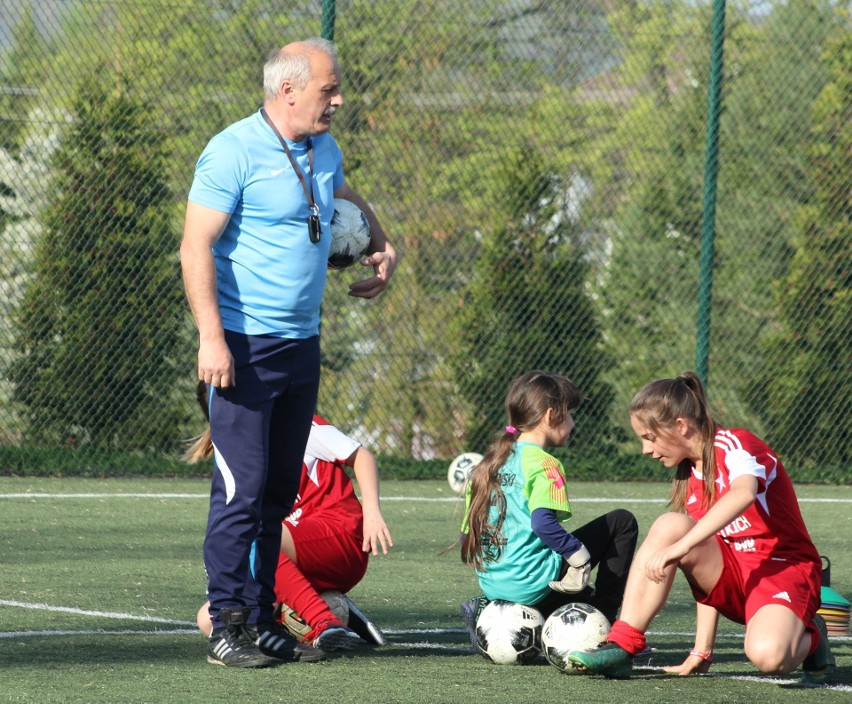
point(841, 678)
point(98, 650)
point(646, 669)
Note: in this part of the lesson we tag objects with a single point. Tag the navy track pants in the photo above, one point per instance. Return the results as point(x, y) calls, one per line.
point(259, 429)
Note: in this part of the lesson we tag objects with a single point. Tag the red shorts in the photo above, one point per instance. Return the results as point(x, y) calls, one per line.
point(748, 583)
point(328, 549)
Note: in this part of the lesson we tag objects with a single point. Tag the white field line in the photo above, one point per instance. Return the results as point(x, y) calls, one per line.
point(780, 682)
point(193, 629)
point(99, 614)
point(419, 645)
point(34, 495)
point(423, 499)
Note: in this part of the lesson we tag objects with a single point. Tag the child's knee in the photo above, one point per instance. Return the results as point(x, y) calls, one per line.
point(625, 521)
point(769, 655)
point(669, 528)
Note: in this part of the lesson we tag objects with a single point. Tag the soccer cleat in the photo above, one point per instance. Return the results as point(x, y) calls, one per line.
point(470, 611)
point(334, 637)
point(231, 647)
point(610, 660)
point(275, 641)
point(363, 626)
point(818, 668)
point(645, 655)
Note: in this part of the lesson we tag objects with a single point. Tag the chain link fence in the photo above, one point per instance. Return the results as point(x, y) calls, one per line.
point(539, 164)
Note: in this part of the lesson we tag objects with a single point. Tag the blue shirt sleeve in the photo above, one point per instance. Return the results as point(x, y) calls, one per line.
point(547, 527)
point(220, 174)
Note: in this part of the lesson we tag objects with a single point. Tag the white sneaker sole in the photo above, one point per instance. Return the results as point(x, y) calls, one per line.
point(337, 638)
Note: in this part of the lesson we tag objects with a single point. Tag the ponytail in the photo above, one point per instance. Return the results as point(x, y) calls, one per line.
point(707, 428)
point(201, 447)
point(484, 539)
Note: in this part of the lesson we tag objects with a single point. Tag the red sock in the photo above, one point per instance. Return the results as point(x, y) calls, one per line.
point(627, 637)
point(294, 589)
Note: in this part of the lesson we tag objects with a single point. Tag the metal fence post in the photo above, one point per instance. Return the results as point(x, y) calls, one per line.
point(711, 172)
point(328, 14)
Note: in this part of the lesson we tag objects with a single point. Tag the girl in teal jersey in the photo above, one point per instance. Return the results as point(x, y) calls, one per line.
point(517, 502)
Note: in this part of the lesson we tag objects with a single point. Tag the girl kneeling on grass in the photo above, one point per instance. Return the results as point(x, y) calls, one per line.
point(736, 533)
point(517, 501)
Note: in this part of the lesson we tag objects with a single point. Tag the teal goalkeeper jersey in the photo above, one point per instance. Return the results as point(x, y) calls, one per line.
point(530, 479)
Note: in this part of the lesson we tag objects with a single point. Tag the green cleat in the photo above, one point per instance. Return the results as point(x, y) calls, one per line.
point(610, 660)
point(818, 668)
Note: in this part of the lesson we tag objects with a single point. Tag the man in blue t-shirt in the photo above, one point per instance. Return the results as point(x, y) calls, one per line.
point(254, 258)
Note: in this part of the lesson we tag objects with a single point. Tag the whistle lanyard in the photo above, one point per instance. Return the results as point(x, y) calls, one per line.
point(314, 230)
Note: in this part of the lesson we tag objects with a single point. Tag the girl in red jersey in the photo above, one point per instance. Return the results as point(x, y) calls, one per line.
point(326, 540)
point(736, 533)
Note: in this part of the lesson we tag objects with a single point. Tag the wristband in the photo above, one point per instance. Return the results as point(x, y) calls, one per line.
point(707, 657)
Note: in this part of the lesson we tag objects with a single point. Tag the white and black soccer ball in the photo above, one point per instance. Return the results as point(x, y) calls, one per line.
point(572, 627)
point(350, 234)
point(337, 603)
point(508, 633)
point(460, 469)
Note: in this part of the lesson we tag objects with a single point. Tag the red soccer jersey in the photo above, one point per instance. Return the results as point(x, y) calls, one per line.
point(772, 527)
point(325, 484)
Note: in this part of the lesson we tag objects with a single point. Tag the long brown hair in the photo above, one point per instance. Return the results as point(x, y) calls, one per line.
point(658, 404)
point(528, 400)
point(200, 448)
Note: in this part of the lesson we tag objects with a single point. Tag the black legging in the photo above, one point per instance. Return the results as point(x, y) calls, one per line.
point(611, 542)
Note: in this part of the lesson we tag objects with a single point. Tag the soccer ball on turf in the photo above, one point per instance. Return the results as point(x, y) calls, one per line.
point(460, 469)
point(508, 633)
point(350, 234)
point(337, 603)
point(572, 627)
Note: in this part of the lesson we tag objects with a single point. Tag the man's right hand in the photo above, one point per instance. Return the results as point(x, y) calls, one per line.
point(216, 364)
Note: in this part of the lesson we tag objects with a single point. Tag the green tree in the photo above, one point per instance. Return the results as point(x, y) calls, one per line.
point(385, 374)
point(656, 161)
point(804, 393)
point(424, 131)
point(99, 322)
point(647, 201)
point(528, 308)
point(774, 74)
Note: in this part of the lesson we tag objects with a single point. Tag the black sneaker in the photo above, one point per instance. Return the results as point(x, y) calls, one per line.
point(470, 611)
point(231, 647)
point(818, 668)
point(275, 641)
point(363, 626)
